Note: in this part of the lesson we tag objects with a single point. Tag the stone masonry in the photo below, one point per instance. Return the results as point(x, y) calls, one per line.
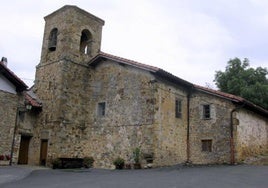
point(8, 103)
point(251, 134)
point(216, 128)
point(99, 105)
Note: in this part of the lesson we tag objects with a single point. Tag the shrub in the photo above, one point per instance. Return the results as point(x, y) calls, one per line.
point(136, 155)
point(119, 163)
point(88, 162)
point(56, 163)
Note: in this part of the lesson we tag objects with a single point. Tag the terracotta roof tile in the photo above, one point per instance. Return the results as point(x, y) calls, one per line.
point(129, 62)
point(220, 93)
point(31, 99)
point(245, 103)
point(153, 69)
point(174, 79)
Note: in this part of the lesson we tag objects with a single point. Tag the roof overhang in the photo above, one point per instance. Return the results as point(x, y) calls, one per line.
point(154, 70)
point(238, 101)
point(18, 83)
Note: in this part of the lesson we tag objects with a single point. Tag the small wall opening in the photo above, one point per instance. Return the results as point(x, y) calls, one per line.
point(206, 145)
point(86, 42)
point(52, 41)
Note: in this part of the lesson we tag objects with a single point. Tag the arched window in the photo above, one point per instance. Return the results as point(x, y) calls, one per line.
point(52, 41)
point(85, 42)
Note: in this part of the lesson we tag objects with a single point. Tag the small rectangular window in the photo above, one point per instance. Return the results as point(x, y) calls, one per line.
point(101, 109)
point(206, 111)
point(206, 145)
point(178, 108)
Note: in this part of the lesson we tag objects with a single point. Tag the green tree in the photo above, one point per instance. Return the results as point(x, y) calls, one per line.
point(242, 80)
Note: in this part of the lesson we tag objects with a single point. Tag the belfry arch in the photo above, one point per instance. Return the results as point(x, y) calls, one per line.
point(86, 42)
point(52, 41)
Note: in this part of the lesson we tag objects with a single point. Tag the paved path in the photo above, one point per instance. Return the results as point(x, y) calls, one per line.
point(173, 177)
point(15, 173)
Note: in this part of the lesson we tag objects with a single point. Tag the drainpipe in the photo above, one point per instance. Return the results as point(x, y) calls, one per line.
point(188, 127)
point(232, 145)
point(232, 149)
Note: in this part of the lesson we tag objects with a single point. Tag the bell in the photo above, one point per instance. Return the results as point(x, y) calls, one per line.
point(52, 47)
point(52, 44)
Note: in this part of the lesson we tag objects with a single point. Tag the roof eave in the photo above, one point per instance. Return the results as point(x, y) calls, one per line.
point(174, 79)
point(103, 56)
point(233, 99)
point(255, 108)
point(236, 100)
point(20, 85)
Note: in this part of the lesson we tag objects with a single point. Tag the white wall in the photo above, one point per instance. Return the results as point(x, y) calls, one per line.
point(6, 85)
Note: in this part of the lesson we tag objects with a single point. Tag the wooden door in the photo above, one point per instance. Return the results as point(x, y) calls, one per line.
point(24, 149)
point(43, 152)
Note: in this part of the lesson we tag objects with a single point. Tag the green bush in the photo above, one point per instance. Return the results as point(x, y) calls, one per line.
point(56, 163)
point(119, 163)
point(88, 162)
point(136, 155)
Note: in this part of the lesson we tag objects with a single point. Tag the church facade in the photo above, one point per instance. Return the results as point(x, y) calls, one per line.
point(100, 105)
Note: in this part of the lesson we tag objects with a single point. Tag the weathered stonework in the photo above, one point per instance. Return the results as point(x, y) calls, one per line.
point(99, 105)
point(70, 22)
point(131, 118)
point(251, 134)
point(16, 122)
point(170, 132)
point(216, 128)
point(8, 103)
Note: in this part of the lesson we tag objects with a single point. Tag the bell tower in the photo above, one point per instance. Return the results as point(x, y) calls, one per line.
point(71, 33)
point(72, 37)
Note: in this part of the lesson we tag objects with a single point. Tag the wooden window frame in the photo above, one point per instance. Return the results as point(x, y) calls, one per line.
point(178, 108)
point(207, 111)
point(206, 145)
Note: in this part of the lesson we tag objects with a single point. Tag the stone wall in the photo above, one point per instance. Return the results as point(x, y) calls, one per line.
point(170, 131)
point(109, 109)
point(70, 22)
point(128, 121)
point(216, 129)
point(138, 113)
point(15, 118)
point(251, 134)
point(27, 124)
point(61, 86)
point(8, 103)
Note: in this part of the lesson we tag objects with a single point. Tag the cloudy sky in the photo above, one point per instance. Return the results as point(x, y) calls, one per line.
point(188, 38)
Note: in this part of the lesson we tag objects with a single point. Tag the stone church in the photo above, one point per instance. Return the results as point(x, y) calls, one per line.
point(89, 103)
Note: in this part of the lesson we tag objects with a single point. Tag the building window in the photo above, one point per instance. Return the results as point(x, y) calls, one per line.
point(206, 111)
point(178, 109)
point(85, 42)
point(206, 145)
point(21, 115)
point(101, 109)
point(52, 41)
